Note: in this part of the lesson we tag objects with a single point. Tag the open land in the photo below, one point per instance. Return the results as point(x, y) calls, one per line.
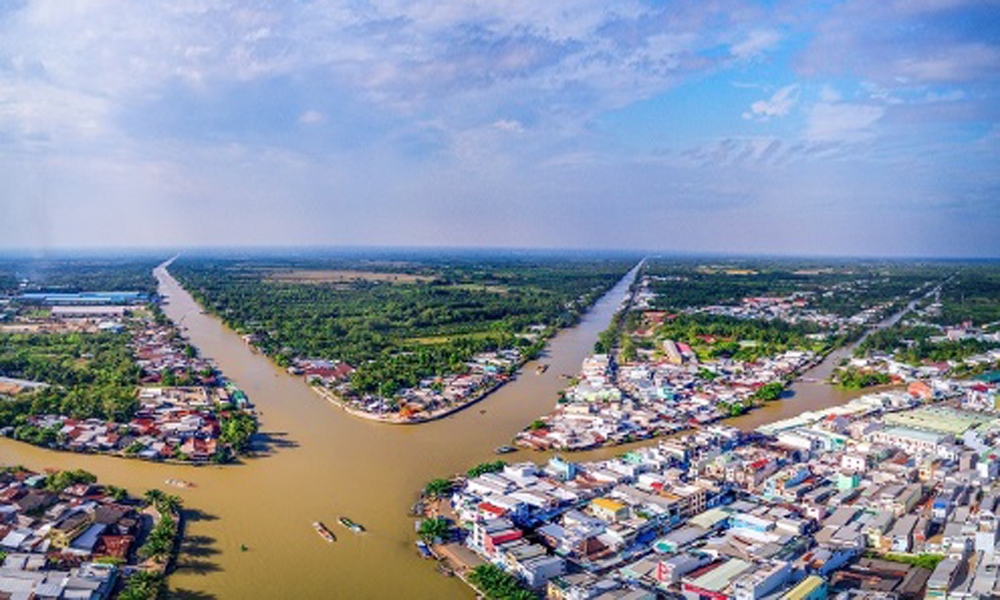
point(341, 276)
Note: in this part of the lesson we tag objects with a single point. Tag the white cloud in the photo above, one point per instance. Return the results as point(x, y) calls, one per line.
point(511, 125)
point(756, 43)
point(829, 94)
point(778, 105)
point(312, 117)
point(957, 63)
point(842, 121)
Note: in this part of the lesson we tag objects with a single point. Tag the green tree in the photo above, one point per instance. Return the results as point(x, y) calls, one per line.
point(144, 585)
point(497, 584)
point(769, 391)
point(486, 467)
point(437, 488)
point(433, 529)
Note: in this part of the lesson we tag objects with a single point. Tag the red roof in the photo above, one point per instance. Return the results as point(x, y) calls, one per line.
point(508, 535)
point(492, 508)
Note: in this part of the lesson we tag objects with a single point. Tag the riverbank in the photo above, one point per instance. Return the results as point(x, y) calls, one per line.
point(396, 419)
point(426, 364)
point(610, 405)
point(334, 463)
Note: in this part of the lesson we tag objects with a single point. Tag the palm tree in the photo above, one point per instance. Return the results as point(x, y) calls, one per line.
point(156, 548)
point(432, 529)
point(437, 488)
point(143, 585)
point(154, 497)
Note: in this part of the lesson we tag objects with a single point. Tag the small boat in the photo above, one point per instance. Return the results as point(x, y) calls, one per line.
point(425, 550)
point(355, 527)
point(178, 483)
point(323, 532)
point(541, 368)
point(505, 449)
point(446, 571)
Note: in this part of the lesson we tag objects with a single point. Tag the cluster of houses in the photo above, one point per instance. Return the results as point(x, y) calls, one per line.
point(792, 308)
point(667, 389)
point(610, 405)
point(162, 353)
point(433, 396)
point(891, 496)
point(901, 372)
point(62, 544)
point(175, 422)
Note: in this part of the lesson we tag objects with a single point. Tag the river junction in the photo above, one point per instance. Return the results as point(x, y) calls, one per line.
point(317, 463)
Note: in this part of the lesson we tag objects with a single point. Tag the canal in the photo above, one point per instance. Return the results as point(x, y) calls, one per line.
point(318, 463)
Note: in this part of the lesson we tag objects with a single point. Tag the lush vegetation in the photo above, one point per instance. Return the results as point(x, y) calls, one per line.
point(438, 488)
point(924, 561)
point(236, 429)
point(423, 317)
point(144, 585)
point(713, 337)
point(855, 379)
point(79, 274)
point(843, 288)
point(972, 295)
point(89, 375)
point(497, 584)
point(435, 528)
point(63, 479)
point(916, 344)
point(486, 467)
point(158, 547)
point(769, 391)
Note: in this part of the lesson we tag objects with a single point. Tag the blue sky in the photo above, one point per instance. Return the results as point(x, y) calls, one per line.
point(819, 128)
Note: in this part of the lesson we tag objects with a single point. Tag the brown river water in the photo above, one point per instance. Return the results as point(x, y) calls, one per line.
point(319, 463)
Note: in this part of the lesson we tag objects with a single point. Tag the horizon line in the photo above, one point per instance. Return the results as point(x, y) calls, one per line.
point(180, 250)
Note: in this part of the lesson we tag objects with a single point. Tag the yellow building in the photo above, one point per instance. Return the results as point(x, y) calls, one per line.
point(609, 510)
point(811, 588)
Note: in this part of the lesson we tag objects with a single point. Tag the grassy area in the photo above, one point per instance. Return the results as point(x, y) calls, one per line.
point(444, 339)
point(926, 561)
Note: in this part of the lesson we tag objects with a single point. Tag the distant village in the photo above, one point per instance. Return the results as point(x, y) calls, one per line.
point(610, 406)
point(899, 371)
point(667, 389)
point(182, 400)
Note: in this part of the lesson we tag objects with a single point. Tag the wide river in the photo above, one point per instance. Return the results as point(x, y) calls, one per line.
point(319, 463)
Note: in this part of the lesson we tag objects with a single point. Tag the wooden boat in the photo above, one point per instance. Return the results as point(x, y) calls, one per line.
point(355, 527)
point(541, 368)
point(425, 550)
point(178, 483)
point(446, 571)
point(323, 532)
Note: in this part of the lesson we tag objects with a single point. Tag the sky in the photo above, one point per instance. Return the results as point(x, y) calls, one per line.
point(771, 127)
